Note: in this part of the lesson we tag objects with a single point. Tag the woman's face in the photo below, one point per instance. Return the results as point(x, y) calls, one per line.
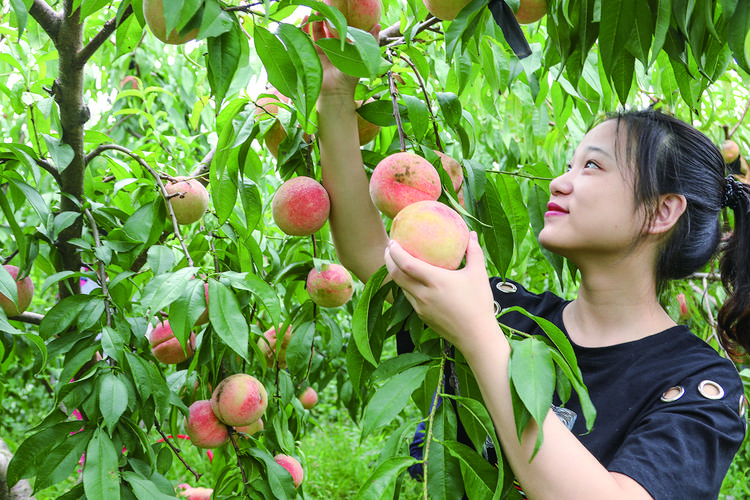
point(591, 211)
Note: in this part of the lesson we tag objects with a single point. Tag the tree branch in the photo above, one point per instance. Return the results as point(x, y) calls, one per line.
point(50, 169)
point(742, 117)
point(29, 317)
point(101, 37)
point(204, 166)
point(47, 18)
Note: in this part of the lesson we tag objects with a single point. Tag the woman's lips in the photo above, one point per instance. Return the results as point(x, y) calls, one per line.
point(553, 209)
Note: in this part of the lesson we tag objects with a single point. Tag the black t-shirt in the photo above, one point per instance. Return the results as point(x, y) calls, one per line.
point(674, 449)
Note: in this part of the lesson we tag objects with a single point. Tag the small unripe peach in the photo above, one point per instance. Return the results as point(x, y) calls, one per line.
point(251, 429)
point(530, 11)
point(401, 179)
point(308, 398)
point(730, 150)
point(456, 173)
point(166, 348)
point(446, 10)
point(239, 399)
point(275, 135)
point(332, 286)
point(203, 428)
point(268, 347)
point(189, 199)
point(153, 13)
point(362, 14)
point(25, 288)
point(300, 206)
point(433, 232)
point(292, 465)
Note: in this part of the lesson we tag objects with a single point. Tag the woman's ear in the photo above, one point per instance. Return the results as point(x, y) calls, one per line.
point(668, 211)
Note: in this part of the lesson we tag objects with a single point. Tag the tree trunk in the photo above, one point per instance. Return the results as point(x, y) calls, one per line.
point(22, 489)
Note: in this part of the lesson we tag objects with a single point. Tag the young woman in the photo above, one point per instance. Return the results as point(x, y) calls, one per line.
point(638, 205)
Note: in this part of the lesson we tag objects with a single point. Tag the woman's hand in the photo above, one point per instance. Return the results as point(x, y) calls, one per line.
point(458, 305)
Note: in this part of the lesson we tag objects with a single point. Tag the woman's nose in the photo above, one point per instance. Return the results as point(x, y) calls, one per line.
point(561, 184)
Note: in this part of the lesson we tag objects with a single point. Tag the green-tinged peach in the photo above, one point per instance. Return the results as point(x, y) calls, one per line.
point(189, 199)
point(25, 291)
point(268, 343)
point(153, 13)
point(239, 399)
point(332, 286)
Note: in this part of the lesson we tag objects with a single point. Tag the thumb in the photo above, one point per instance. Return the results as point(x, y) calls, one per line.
point(474, 252)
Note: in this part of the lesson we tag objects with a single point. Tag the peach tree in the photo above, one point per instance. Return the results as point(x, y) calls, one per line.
point(108, 105)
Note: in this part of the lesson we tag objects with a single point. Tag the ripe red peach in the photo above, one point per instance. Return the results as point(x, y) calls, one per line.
point(308, 398)
point(239, 399)
point(446, 10)
point(293, 466)
point(191, 493)
point(268, 347)
point(730, 150)
point(456, 174)
point(401, 179)
point(530, 11)
point(300, 206)
point(433, 232)
point(166, 348)
point(332, 286)
point(362, 14)
point(189, 199)
point(682, 303)
point(367, 131)
point(202, 426)
point(251, 429)
point(25, 289)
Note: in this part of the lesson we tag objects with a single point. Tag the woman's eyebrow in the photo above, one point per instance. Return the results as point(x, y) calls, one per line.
point(599, 150)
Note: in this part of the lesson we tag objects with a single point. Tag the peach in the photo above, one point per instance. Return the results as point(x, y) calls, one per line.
point(166, 348)
point(730, 150)
point(682, 303)
point(293, 466)
point(300, 206)
point(251, 429)
point(456, 174)
point(433, 232)
point(530, 11)
point(332, 286)
point(362, 14)
point(401, 179)
point(446, 10)
point(308, 398)
point(239, 399)
point(25, 290)
point(268, 347)
point(367, 131)
point(153, 13)
point(269, 106)
point(191, 493)
point(189, 199)
point(202, 426)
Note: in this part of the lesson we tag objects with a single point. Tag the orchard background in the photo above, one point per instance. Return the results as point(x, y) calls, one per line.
point(98, 115)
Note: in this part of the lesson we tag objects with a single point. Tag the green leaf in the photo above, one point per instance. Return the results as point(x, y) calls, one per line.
point(380, 112)
point(615, 30)
point(498, 236)
point(281, 71)
point(360, 320)
point(300, 348)
point(101, 476)
point(8, 286)
point(260, 289)
point(355, 60)
point(389, 400)
point(185, 311)
point(532, 373)
point(113, 399)
point(444, 479)
point(419, 115)
point(222, 61)
point(537, 207)
point(226, 318)
point(21, 11)
point(480, 477)
point(160, 259)
point(512, 202)
point(34, 448)
point(34, 198)
point(62, 154)
point(143, 488)
point(18, 235)
point(450, 106)
point(381, 483)
point(622, 75)
point(305, 59)
point(166, 288)
point(62, 315)
point(59, 463)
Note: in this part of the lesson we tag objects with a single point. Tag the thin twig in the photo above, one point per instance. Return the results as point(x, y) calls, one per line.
point(102, 271)
point(427, 102)
point(204, 166)
point(519, 174)
point(742, 117)
point(176, 451)
point(109, 27)
point(28, 317)
point(231, 432)
point(396, 113)
point(428, 434)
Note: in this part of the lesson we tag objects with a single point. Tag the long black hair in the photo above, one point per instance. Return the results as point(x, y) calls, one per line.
point(671, 156)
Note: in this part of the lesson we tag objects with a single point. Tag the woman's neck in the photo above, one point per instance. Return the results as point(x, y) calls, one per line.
point(616, 303)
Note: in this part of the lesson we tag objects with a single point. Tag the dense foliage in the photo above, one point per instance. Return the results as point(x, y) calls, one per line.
point(98, 114)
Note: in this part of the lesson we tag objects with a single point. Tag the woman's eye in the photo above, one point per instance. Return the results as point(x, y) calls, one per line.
point(568, 167)
point(591, 164)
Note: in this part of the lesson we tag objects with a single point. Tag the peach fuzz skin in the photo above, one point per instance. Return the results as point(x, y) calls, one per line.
point(433, 232)
point(203, 428)
point(401, 179)
point(332, 286)
point(300, 206)
point(166, 348)
point(189, 199)
point(268, 347)
point(362, 14)
point(293, 466)
point(239, 399)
